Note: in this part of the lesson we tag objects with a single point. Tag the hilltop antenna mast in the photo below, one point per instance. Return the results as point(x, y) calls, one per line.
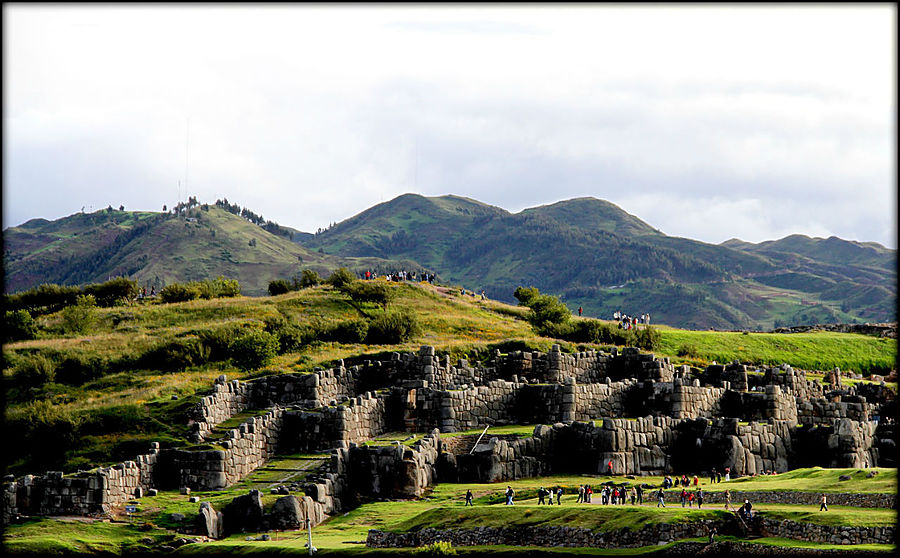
point(187, 143)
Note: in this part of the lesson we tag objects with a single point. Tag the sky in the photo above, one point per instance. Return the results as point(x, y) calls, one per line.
point(709, 122)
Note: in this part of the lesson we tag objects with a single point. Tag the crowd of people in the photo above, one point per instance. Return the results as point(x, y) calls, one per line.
point(629, 322)
point(402, 275)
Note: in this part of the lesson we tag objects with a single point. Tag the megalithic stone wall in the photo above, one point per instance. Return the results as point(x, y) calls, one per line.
point(88, 493)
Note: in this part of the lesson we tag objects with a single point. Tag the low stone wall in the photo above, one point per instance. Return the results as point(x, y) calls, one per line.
point(548, 536)
point(856, 500)
point(833, 534)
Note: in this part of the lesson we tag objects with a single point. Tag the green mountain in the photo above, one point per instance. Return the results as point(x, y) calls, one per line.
point(157, 249)
point(595, 255)
point(588, 251)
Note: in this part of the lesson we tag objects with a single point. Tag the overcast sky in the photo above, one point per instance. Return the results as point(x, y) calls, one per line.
point(711, 123)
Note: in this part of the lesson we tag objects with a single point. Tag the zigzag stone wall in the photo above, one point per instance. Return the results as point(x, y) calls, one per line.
point(793, 422)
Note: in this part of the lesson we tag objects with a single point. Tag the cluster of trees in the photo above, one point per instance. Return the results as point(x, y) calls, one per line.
point(270, 226)
point(551, 318)
point(183, 207)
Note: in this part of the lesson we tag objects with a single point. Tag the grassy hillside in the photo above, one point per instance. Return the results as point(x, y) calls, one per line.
point(599, 257)
point(159, 248)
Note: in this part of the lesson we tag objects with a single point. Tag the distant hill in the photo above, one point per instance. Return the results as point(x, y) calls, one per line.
point(588, 251)
point(597, 256)
point(158, 249)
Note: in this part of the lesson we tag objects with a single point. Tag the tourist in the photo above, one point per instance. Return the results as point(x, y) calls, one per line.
point(718, 477)
point(712, 476)
point(509, 495)
point(633, 495)
point(541, 495)
point(727, 499)
point(683, 497)
point(559, 493)
point(823, 504)
point(661, 498)
point(622, 496)
point(712, 533)
point(640, 494)
point(579, 311)
point(748, 507)
point(609, 470)
point(699, 498)
point(580, 494)
point(727, 474)
point(696, 480)
point(468, 498)
point(588, 492)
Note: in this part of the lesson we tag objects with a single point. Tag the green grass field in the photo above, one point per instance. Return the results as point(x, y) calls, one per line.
point(442, 508)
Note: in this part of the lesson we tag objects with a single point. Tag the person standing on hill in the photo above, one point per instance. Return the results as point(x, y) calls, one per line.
point(699, 498)
point(823, 504)
point(580, 494)
point(541, 495)
point(509, 495)
point(468, 498)
point(579, 311)
point(559, 493)
point(640, 494)
point(661, 497)
point(727, 499)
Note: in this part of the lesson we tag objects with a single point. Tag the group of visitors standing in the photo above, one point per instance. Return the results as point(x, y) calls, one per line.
point(629, 322)
point(403, 275)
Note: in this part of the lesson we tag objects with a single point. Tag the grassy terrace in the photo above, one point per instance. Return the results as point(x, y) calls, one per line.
point(441, 508)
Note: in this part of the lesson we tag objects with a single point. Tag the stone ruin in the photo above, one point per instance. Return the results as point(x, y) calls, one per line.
point(642, 413)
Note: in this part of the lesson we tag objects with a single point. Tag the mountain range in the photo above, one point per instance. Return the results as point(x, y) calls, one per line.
point(587, 251)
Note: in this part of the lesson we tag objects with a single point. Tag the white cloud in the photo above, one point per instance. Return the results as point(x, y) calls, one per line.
point(780, 118)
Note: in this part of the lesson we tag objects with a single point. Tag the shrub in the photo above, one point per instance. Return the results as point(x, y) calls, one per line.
point(120, 418)
point(390, 328)
point(278, 286)
point(35, 371)
point(340, 278)
point(525, 295)
point(254, 349)
point(18, 325)
point(689, 350)
point(647, 338)
point(226, 288)
point(113, 291)
point(79, 318)
point(350, 331)
point(77, 370)
point(44, 433)
point(369, 291)
point(176, 355)
point(43, 298)
point(547, 309)
point(309, 278)
point(290, 336)
point(178, 292)
point(437, 548)
point(219, 340)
